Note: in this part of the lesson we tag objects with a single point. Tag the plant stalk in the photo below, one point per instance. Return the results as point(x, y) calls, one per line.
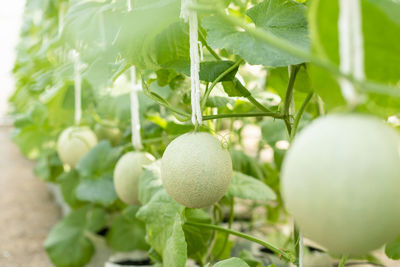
point(289, 97)
point(279, 252)
point(299, 116)
point(241, 115)
point(342, 261)
point(204, 42)
point(218, 79)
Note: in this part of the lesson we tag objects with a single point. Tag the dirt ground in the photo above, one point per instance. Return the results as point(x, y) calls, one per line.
point(27, 209)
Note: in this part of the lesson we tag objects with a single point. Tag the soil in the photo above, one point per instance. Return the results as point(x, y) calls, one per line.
point(28, 211)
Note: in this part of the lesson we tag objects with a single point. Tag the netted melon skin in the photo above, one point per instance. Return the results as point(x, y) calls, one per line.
point(341, 182)
point(196, 170)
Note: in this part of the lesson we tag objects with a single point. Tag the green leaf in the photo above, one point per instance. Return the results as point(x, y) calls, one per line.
point(31, 139)
point(126, 232)
point(380, 49)
point(278, 79)
point(100, 20)
point(162, 39)
point(231, 262)
point(210, 70)
point(68, 183)
point(198, 239)
point(96, 219)
point(273, 131)
point(170, 127)
point(392, 249)
point(48, 166)
point(100, 191)
point(248, 257)
point(222, 248)
point(163, 218)
point(150, 182)
point(99, 160)
point(285, 19)
point(247, 165)
point(390, 8)
point(219, 101)
point(235, 88)
point(246, 187)
point(102, 69)
point(67, 244)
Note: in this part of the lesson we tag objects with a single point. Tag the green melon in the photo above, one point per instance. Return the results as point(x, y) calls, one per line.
point(126, 175)
point(74, 142)
point(104, 132)
point(341, 183)
point(196, 170)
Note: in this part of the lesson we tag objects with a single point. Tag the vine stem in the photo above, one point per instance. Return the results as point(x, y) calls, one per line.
point(283, 45)
point(299, 115)
point(231, 218)
point(212, 52)
point(257, 104)
point(342, 261)
point(296, 237)
point(289, 96)
point(217, 80)
point(241, 115)
point(161, 101)
point(283, 254)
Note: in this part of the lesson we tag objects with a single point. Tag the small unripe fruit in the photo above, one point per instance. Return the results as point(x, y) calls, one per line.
point(74, 142)
point(113, 134)
point(196, 170)
point(126, 175)
point(341, 183)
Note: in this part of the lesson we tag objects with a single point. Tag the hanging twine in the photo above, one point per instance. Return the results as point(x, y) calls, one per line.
point(135, 120)
point(129, 5)
point(292, 109)
point(351, 47)
point(78, 87)
point(191, 17)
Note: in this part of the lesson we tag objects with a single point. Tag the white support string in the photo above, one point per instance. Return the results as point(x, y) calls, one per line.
point(191, 17)
point(351, 47)
point(78, 87)
point(128, 3)
point(292, 109)
point(60, 19)
point(135, 120)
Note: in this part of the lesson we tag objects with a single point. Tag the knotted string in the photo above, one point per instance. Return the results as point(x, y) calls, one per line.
point(191, 16)
point(135, 120)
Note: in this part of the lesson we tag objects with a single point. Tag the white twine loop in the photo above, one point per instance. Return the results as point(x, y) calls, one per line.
point(78, 86)
point(191, 16)
point(135, 120)
point(351, 47)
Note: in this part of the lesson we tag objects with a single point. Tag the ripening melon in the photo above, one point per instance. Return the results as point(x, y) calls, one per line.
point(341, 183)
point(74, 142)
point(126, 175)
point(111, 133)
point(196, 170)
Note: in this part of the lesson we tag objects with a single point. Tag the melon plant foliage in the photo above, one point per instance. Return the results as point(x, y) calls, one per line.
point(248, 76)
